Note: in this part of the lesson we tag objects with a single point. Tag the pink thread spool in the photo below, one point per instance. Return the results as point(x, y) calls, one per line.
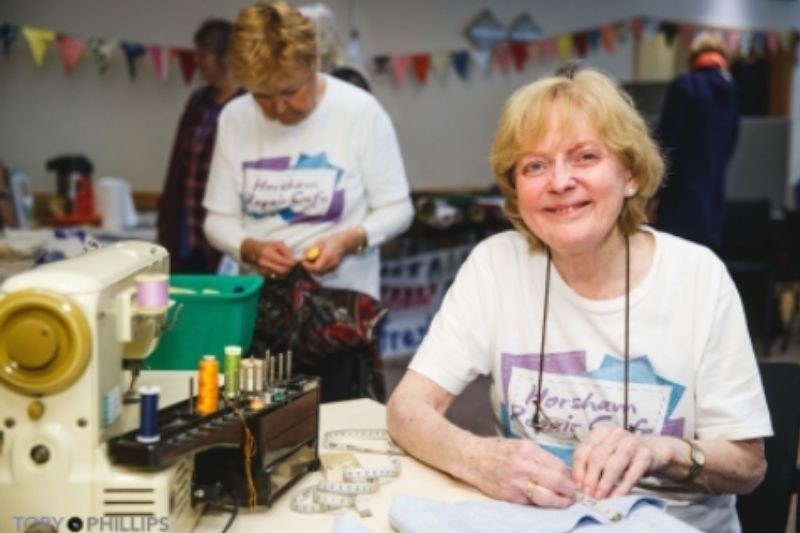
point(152, 293)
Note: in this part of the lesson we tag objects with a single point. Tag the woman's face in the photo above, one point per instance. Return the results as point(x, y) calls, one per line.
point(570, 186)
point(291, 100)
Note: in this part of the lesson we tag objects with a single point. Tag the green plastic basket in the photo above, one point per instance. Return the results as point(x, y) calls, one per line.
point(215, 311)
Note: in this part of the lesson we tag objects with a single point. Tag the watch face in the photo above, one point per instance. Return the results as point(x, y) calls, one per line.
point(698, 456)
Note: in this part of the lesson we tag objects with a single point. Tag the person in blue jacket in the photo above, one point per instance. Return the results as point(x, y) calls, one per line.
point(698, 129)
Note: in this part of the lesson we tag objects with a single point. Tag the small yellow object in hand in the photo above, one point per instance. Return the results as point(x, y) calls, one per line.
point(312, 253)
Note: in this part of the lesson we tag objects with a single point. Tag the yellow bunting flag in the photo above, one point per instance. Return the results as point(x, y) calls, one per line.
point(38, 41)
point(564, 47)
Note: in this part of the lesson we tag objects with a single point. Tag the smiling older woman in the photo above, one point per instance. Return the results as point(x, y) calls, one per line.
point(619, 355)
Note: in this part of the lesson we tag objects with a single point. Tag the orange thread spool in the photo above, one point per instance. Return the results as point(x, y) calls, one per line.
point(208, 386)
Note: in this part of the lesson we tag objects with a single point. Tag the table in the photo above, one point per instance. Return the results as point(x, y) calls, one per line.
point(415, 479)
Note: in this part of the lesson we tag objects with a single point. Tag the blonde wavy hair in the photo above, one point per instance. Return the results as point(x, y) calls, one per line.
point(523, 124)
point(271, 42)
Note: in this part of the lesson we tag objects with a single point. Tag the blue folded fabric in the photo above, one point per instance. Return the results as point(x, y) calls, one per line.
point(641, 514)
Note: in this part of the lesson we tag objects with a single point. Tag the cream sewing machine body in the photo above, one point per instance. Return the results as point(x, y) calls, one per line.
point(65, 329)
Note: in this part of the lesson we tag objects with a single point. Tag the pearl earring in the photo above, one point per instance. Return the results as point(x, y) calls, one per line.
point(630, 192)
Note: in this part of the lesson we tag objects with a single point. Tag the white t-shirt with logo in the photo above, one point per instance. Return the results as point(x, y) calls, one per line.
point(692, 370)
point(299, 183)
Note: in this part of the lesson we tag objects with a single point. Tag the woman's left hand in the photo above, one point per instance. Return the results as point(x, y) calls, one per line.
point(610, 461)
point(326, 254)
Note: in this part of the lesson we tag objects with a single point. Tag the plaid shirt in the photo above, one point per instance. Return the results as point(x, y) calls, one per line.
point(180, 210)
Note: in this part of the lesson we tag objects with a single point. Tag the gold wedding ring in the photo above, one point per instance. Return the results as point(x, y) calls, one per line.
point(273, 275)
point(529, 488)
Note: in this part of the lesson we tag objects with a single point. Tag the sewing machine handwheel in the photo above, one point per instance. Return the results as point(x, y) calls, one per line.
point(45, 341)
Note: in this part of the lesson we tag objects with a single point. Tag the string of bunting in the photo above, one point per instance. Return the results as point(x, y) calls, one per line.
point(484, 58)
point(103, 50)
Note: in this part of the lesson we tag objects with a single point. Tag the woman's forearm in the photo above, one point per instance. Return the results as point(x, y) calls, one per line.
point(731, 467)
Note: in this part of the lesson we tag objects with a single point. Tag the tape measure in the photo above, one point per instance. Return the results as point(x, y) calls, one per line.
point(359, 481)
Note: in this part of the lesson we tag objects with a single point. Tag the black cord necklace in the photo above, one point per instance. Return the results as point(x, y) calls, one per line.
point(627, 333)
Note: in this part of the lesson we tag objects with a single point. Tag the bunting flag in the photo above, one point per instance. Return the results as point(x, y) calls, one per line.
point(593, 37)
point(421, 64)
point(159, 60)
point(519, 55)
point(461, 63)
point(651, 27)
point(380, 63)
point(483, 59)
point(564, 47)
point(400, 65)
point(731, 38)
point(70, 49)
point(623, 29)
point(580, 41)
point(773, 43)
point(535, 52)
point(608, 36)
point(440, 62)
point(549, 49)
point(8, 34)
point(38, 41)
point(187, 61)
point(686, 33)
point(669, 30)
point(757, 44)
point(745, 40)
point(103, 52)
point(637, 27)
point(133, 52)
point(502, 57)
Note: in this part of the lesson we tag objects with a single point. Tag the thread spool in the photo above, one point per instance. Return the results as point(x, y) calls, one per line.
point(208, 386)
point(148, 414)
point(233, 360)
point(152, 293)
point(258, 376)
point(246, 375)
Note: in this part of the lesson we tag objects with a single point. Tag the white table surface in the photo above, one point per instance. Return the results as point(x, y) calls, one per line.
point(415, 479)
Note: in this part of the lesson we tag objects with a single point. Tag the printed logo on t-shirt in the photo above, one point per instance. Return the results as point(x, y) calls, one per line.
point(308, 191)
point(576, 399)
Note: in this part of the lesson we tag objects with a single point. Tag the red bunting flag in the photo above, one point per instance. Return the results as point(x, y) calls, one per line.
point(519, 54)
point(637, 25)
point(686, 32)
point(399, 66)
point(159, 62)
point(502, 56)
point(535, 52)
point(608, 36)
point(187, 61)
point(581, 42)
point(421, 63)
point(70, 49)
point(773, 43)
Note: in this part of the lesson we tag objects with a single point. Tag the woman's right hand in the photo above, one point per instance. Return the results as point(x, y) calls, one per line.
point(521, 471)
point(273, 258)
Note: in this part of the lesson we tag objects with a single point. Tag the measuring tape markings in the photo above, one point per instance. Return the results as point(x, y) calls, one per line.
point(360, 482)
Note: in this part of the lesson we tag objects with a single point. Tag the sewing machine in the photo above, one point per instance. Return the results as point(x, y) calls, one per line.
point(69, 446)
point(65, 329)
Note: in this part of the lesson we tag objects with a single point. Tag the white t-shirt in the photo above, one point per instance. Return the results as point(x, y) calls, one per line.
point(299, 183)
point(693, 372)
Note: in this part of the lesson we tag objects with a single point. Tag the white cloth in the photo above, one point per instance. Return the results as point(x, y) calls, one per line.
point(421, 515)
point(693, 373)
point(337, 169)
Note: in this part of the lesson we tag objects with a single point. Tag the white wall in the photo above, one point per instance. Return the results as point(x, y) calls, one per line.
point(445, 129)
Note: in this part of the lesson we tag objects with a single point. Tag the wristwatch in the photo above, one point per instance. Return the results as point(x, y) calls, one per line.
point(698, 459)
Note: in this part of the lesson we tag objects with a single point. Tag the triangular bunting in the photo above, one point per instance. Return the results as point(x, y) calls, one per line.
point(187, 61)
point(564, 47)
point(461, 63)
point(686, 33)
point(549, 49)
point(400, 65)
point(669, 30)
point(758, 44)
point(651, 27)
point(483, 59)
point(440, 61)
point(133, 52)
point(70, 49)
point(103, 51)
point(623, 30)
point(787, 38)
point(581, 43)
point(593, 36)
point(608, 36)
point(160, 64)
point(421, 63)
point(637, 27)
point(502, 57)
point(38, 41)
point(745, 41)
point(8, 34)
point(773, 43)
point(380, 64)
point(535, 52)
point(731, 38)
point(519, 55)
point(524, 30)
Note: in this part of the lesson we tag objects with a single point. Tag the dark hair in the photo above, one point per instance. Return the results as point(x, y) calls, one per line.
point(350, 75)
point(213, 35)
